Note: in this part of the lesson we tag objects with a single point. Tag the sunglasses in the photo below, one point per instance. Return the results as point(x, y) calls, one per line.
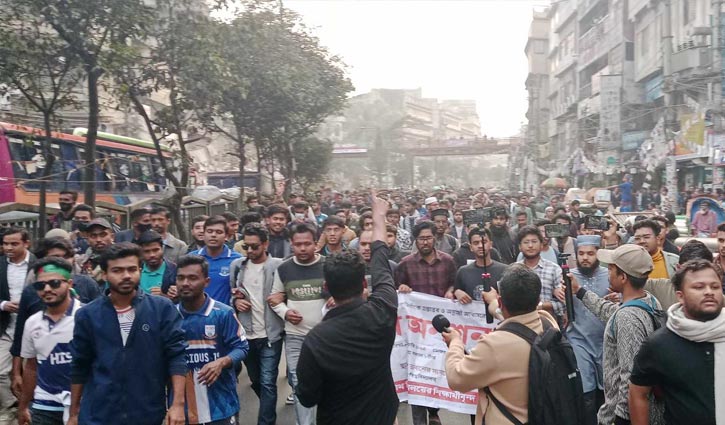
point(248, 247)
point(54, 284)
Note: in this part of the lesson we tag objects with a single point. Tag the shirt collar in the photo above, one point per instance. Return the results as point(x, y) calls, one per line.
point(68, 311)
point(226, 252)
point(25, 261)
point(342, 309)
point(160, 270)
point(205, 309)
point(419, 258)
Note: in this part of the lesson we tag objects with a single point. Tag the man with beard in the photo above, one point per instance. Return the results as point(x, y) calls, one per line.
point(444, 242)
point(720, 259)
point(147, 352)
point(211, 384)
point(63, 220)
point(365, 248)
point(428, 271)
point(140, 222)
point(686, 358)
point(501, 236)
point(459, 230)
point(530, 241)
point(174, 248)
point(158, 275)
point(46, 345)
point(301, 281)
point(469, 283)
point(252, 280)
point(219, 257)
point(100, 237)
point(586, 333)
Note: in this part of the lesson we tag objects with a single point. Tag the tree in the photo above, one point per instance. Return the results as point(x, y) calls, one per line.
point(99, 35)
point(313, 157)
point(39, 66)
point(276, 84)
point(174, 69)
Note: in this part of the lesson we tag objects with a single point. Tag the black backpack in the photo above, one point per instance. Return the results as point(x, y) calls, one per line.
point(659, 317)
point(556, 396)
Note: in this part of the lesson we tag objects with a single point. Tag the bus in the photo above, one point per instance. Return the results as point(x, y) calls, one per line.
point(126, 169)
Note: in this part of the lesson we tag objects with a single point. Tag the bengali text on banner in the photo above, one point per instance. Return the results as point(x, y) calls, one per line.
point(418, 357)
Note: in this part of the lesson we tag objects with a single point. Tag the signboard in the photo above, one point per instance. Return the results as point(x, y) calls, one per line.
point(610, 115)
point(632, 140)
point(691, 139)
point(418, 357)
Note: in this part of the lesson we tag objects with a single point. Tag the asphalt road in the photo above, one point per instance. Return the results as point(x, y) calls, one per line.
point(286, 414)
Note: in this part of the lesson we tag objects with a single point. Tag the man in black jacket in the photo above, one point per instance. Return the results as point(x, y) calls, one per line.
point(350, 385)
point(14, 268)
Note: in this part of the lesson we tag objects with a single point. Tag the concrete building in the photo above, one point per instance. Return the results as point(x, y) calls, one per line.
point(537, 87)
point(616, 103)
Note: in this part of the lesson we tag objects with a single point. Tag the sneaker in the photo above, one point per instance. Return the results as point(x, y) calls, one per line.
point(290, 399)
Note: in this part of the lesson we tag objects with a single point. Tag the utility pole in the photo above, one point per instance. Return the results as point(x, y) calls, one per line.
point(717, 88)
point(668, 88)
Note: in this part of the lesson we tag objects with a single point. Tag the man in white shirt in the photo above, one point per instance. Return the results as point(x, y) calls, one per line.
point(13, 272)
point(252, 282)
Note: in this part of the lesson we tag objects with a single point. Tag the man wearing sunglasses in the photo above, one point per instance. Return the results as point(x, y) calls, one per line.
point(46, 345)
point(252, 281)
point(85, 289)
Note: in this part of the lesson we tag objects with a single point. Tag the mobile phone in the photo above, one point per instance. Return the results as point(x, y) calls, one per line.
point(593, 222)
point(554, 231)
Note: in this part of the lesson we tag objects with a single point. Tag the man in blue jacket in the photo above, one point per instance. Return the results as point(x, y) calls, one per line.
point(126, 348)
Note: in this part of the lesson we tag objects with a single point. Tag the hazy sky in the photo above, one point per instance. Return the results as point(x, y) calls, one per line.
point(453, 49)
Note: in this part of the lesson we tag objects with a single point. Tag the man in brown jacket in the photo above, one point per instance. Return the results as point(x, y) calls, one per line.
point(500, 360)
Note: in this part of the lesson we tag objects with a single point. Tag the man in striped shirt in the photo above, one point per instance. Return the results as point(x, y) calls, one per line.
point(216, 343)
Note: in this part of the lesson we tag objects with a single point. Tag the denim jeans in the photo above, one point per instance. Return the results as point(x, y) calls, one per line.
point(263, 367)
point(292, 350)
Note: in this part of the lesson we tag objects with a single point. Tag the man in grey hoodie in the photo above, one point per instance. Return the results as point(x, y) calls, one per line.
point(251, 279)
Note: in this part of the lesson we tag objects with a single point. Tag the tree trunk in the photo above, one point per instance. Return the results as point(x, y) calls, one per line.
point(49, 160)
point(181, 229)
point(89, 186)
point(242, 160)
point(290, 165)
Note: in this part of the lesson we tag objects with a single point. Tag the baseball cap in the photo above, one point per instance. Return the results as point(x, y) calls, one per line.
point(632, 259)
point(99, 222)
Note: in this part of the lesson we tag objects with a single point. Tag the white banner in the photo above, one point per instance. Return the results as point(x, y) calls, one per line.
point(418, 357)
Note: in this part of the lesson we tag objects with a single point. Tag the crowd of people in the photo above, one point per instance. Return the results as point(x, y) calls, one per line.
point(106, 326)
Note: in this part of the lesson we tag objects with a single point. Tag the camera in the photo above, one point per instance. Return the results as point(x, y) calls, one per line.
point(554, 231)
point(592, 222)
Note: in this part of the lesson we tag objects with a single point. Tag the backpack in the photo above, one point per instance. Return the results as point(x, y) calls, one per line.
point(556, 396)
point(659, 317)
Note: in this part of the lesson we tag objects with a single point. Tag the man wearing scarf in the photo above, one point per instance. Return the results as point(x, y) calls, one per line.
point(686, 359)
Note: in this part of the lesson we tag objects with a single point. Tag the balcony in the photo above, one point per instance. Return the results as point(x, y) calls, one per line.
point(565, 10)
point(598, 41)
point(691, 57)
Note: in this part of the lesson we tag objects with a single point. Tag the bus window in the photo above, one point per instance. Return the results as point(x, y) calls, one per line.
point(28, 161)
point(72, 166)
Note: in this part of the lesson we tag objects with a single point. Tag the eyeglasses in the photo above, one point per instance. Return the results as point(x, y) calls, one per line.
point(253, 247)
point(53, 283)
point(425, 239)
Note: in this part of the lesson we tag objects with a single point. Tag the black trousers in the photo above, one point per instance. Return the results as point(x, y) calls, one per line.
point(593, 400)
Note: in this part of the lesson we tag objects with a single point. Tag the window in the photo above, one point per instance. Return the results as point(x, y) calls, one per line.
point(29, 163)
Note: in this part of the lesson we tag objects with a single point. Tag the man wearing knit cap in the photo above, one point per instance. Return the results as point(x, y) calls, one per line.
point(628, 325)
point(586, 333)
